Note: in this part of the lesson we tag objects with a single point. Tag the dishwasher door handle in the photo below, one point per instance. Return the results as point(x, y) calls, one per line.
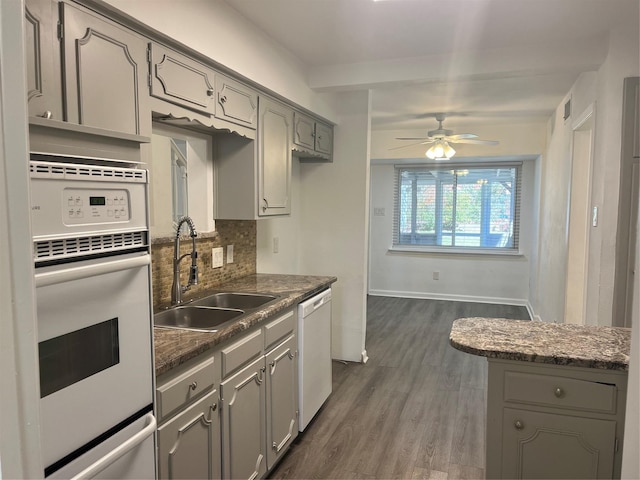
point(119, 451)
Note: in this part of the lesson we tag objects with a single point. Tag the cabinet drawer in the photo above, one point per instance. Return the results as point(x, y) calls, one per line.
point(242, 352)
point(279, 328)
point(186, 386)
point(560, 392)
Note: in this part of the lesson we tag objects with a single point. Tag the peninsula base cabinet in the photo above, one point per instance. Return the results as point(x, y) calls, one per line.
point(550, 421)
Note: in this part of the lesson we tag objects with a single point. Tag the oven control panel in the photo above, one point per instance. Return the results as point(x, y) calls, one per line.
point(83, 205)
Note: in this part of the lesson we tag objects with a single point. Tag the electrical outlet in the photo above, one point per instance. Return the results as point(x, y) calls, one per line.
point(217, 257)
point(229, 253)
point(436, 275)
point(276, 244)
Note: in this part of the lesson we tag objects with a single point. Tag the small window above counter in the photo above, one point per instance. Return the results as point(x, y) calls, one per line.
point(312, 139)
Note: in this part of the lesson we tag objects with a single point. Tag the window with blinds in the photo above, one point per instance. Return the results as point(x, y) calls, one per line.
point(457, 206)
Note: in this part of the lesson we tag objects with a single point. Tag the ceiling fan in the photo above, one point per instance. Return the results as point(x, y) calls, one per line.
point(441, 138)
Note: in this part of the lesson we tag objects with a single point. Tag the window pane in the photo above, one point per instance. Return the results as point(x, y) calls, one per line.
point(461, 207)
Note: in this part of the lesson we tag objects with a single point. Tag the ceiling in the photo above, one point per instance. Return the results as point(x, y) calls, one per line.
point(485, 61)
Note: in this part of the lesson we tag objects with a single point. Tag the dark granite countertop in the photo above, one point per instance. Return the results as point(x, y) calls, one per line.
point(174, 347)
point(552, 343)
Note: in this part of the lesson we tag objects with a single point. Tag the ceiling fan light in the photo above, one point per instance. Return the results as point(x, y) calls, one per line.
point(448, 150)
point(441, 150)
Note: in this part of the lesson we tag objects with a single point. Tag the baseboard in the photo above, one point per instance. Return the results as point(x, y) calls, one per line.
point(451, 297)
point(532, 313)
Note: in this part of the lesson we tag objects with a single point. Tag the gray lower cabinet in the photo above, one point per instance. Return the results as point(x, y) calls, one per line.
point(548, 445)
point(243, 425)
point(282, 403)
point(105, 73)
point(274, 158)
point(44, 87)
point(551, 421)
point(189, 444)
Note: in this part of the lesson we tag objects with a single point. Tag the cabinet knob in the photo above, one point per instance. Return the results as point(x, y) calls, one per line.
point(214, 407)
point(223, 99)
point(210, 92)
point(558, 392)
point(47, 114)
point(193, 386)
point(518, 424)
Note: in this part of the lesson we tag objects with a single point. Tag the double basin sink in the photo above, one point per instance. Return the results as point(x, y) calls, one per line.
point(210, 314)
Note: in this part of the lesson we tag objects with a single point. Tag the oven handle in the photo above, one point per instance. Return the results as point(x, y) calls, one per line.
point(119, 451)
point(79, 272)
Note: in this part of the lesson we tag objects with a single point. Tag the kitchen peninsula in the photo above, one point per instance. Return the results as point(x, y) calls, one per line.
point(556, 396)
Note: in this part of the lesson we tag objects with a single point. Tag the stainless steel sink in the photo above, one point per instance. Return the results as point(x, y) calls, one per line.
point(196, 318)
point(242, 301)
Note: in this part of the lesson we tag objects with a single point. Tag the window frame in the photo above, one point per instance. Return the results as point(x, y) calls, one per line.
point(516, 210)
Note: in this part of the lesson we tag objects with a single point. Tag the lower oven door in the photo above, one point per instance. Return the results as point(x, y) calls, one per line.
point(94, 335)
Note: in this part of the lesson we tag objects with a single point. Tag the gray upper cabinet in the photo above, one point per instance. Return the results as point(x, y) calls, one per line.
point(236, 103)
point(178, 79)
point(105, 71)
point(274, 158)
point(44, 86)
point(312, 140)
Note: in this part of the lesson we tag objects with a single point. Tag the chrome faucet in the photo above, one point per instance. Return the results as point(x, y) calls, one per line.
point(176, 288)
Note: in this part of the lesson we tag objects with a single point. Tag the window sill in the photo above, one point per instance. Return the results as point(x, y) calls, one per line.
point(400, 249)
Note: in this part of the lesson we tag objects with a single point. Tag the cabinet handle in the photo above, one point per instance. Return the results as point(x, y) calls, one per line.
point(558, 392)
point(265, 205)
point(214, 407)
point(518, 424)
point(47, 114)
point(210, 92)
point(223, 99)
point(193, 386)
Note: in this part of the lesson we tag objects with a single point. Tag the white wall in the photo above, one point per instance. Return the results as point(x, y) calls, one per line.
point(214, 29)
point(334, 222)
point(464, 277)
point(623, 60)
point(19, 383)
point(481, 278)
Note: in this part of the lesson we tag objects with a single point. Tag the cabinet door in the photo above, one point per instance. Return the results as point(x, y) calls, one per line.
point(44, 86)
point(104, 74)
point(324, 138)
point(304, 131)
point(189, 444)
point(181, 80)
point(282, 399)
point(236, 102)
point(545, 445)
point(243, 425)
point(274, 158)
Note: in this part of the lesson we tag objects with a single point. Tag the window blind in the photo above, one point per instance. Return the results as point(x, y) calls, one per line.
point(458, 206)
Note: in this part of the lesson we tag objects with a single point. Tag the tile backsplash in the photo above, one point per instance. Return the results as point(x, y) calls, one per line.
point(239, 233)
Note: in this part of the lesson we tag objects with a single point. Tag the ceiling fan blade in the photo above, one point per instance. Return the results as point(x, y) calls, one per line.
point(476, 142)
point(409, 145)
point(454, 138)
point(413, 138)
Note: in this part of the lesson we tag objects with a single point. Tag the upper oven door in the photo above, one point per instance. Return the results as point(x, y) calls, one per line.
point(94, 335)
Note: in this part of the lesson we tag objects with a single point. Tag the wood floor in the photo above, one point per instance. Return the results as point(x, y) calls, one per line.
point(415, 410)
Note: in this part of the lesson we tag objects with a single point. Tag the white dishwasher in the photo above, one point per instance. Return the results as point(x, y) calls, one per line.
point(314, 347)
